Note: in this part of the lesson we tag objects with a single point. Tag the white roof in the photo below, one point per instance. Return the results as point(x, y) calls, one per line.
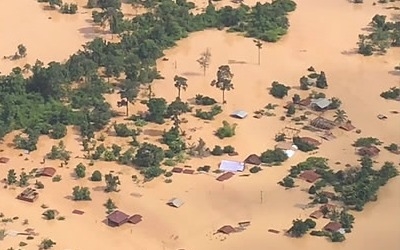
point(175, 202)
point(240, 114)
point(231, 166)
point(321, 102)
point(289, 152)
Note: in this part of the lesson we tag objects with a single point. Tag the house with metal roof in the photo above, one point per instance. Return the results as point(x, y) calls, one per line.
point(175, 202)
point(239, 114)
point(320, 103)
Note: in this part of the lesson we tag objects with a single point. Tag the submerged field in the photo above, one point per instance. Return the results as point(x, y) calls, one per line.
point(321, 34)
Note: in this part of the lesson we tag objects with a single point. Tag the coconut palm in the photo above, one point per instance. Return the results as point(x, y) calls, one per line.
point(180, 84)
point(259, 45)
point(340, 116)
point(224, 80)
point(204, 60)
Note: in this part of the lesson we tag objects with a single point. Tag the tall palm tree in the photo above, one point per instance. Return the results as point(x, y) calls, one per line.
point(340, 116)
point(224, 80)
point(259, 45)
point(180, 84)
point(111, 16)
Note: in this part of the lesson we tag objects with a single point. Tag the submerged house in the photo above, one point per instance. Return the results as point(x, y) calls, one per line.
point(231, 166)
point(29, 195)
point(320, 104)
point(175, 202)
point(253, 159)
point(117, 218)
point(322, 123)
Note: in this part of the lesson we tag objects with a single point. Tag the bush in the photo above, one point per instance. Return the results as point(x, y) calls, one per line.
point(204, 168)
point(310, 223)
point(58, 152)
point(177, 107)
point(96, 176)
point(204, 100)
point(302, 145)
point(81, 193)
point(56, 178)
point(287, 182)
point(122, 130)
point(168, 174)
point(217, 151)
point(149, 155)
point(255, 169)
point(229, 149)
point(366, 142)
point(280, 137)
point(273, 156)
point(80, 170)
point(226, 130)
point(279, 90)
point(208, 115)
point(392, 93)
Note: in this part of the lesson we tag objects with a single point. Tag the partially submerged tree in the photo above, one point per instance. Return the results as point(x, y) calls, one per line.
point(204, 60)
point(180, 84)
point(112, 183)
point(340, 116)
point(224, 80)
point(259, 45)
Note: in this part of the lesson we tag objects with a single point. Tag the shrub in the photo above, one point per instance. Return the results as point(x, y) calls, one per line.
point(287, 182)
point(80, 170)
point(81, 193)
point(280, 137)
point(56, 178)
point(96, 176)
point(122, 130)
point(178, 107)
point(302, 145)
point(255, 169)
point(227, 130)
point(204, 100)
point(217, 151)
point(273, 156)
point(229, 149)
point(279, 90)
point(366, 142)
point(208, 115)
point(392, 93)
point(168, 174)
point(59, 152)
point(204, 168)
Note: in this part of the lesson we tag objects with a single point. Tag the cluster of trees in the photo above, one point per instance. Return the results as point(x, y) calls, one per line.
point(313, 79)
point(383, 35)
point(208, 115)
point(279, 90)
point(66, 8)
point(300, 227)
point(218, 150)
point(227, 130)
point(355, 186)
point(12, 178)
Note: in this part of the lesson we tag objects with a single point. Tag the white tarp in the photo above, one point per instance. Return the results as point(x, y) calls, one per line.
point(289, 152)
point(231, 166)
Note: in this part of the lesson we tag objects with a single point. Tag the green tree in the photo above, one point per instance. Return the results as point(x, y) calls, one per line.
point(321, 81)
point(224, 80)
point(112, 183)
point(279, 90)
point(149, 155)
point(11, 177)
point(23, 179)
point(340, 116)
point(110, 206)
point(180, 84)
point(50, 214)
point(96, 176)
point(80, 170)
point(299, 228)
point(273, 156)
point(337, 237)
point(81, 193)
point(157, 108)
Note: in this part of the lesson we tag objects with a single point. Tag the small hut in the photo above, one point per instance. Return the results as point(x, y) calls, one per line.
point(316, 214)
point(322, 123)
point(369, 151)
point(332, 226)
point(309, 176)
point(227, 229)
point(117, 218)
point(310, 141)
point(29, 195)
point(135, 219)
point(46, 171)
point(4, 159)
point(253, 159)
point(347, 126)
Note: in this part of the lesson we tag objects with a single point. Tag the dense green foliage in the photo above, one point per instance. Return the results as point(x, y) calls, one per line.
point(71, 93)
point(355, 186)
point(227, 130)
point(383, 35)
point(391, 94)
point(300, 227)
point(279, 90)
point(275, 156)
point(208, 115)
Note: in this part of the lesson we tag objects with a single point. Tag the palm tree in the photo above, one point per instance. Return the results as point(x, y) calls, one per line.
point(180, 83)
point(340, 116)
point(259, 45)
point(204, 60)
point(177, 121)
point(224, 80)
